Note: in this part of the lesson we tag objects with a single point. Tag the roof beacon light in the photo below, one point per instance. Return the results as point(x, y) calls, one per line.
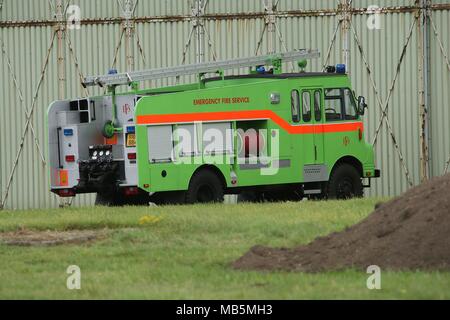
point(302, 65)
point(340, 68)
point(260, 69)
point(331, 69)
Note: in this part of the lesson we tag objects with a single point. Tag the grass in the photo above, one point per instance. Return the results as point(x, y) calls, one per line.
point(187, 254)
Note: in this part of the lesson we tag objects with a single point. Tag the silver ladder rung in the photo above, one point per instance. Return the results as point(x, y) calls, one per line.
point(197, 68)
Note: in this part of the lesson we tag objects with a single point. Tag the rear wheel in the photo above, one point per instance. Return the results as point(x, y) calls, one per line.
point(204, 187)
point(345, 183)
point(106, 199)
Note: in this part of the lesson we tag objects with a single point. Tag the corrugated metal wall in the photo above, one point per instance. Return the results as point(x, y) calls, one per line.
point(232, 29)
point(440, 92)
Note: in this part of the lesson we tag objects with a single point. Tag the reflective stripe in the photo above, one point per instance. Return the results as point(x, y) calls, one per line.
point(250, 115)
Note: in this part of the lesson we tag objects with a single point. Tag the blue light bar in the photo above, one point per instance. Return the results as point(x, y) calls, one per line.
point(68, 132)
point(260, 69)
point(131, 129)
point(340, 68)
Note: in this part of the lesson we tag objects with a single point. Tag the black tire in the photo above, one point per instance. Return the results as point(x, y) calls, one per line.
point(105, 199)
point(205, 187)
point(345, 183)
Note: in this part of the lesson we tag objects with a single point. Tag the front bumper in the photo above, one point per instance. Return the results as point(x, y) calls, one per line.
point(377, 173)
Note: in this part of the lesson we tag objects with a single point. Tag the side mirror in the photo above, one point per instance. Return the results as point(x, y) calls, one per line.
point(362, 106)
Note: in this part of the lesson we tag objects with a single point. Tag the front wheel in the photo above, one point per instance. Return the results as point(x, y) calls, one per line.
point(345, 183)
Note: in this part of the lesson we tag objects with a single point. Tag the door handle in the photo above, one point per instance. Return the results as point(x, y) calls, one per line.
point(58, 133)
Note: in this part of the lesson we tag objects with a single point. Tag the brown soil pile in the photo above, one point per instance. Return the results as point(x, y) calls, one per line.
point(411, 232)
point(50, 238)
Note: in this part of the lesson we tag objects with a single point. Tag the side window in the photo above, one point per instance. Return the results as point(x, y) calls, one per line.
point(295, 106)
point(306, 106)
point(350, 105)
point(333, 104)
point(317, 105)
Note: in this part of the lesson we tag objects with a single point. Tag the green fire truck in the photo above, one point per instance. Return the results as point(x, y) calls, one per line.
point(265, 135)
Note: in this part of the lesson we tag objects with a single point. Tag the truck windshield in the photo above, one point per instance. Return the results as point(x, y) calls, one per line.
point(340, 105)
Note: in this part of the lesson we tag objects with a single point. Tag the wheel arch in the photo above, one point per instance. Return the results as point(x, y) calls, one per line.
point(351, 160)
point(213, 169)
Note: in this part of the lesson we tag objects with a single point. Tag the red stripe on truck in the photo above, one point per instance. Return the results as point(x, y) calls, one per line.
point(250, 115)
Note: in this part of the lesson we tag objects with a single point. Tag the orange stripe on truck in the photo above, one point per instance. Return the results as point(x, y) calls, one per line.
point(250, 115)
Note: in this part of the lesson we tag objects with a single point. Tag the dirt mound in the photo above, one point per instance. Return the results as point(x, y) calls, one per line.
point(410, 232)
point(50, 238)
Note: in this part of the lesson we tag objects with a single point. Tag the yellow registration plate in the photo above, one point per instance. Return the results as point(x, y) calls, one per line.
point(131, 140)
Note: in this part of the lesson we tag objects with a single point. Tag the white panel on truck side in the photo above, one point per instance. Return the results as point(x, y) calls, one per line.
point(188, 143)
point(160, 143)
point(217, 138)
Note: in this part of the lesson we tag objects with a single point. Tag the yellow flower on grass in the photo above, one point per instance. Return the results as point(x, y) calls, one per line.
point(148, 220)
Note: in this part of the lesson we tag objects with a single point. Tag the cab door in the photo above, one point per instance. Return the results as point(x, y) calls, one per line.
point(317, 103)
point(307, 110)
point(302, 116)
point(314, 169)
point(311, 110)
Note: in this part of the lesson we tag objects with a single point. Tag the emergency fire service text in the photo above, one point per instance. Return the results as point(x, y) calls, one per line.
point(224, 100)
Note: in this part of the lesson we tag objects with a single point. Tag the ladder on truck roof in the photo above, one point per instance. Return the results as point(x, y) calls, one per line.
point(198, 68)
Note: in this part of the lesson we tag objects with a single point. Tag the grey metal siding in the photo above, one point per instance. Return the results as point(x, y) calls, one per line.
point(233, 29)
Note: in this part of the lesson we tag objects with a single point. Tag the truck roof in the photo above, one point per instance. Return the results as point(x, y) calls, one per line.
point(256, 77)
point(276, 76)
point(245, 78)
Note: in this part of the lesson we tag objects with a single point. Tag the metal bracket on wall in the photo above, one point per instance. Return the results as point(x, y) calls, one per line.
point(330, 47)
point(381, 105)
point(269, 25)
point(28, 120)
point(128, 29)
point(198, 9)
point(128, 8)
point(345, 18)
point(445, 56)
point(59, 32)
point(384, 116)
point(22, 100)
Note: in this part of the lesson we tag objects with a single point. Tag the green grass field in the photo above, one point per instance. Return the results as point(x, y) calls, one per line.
point(187, 254)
